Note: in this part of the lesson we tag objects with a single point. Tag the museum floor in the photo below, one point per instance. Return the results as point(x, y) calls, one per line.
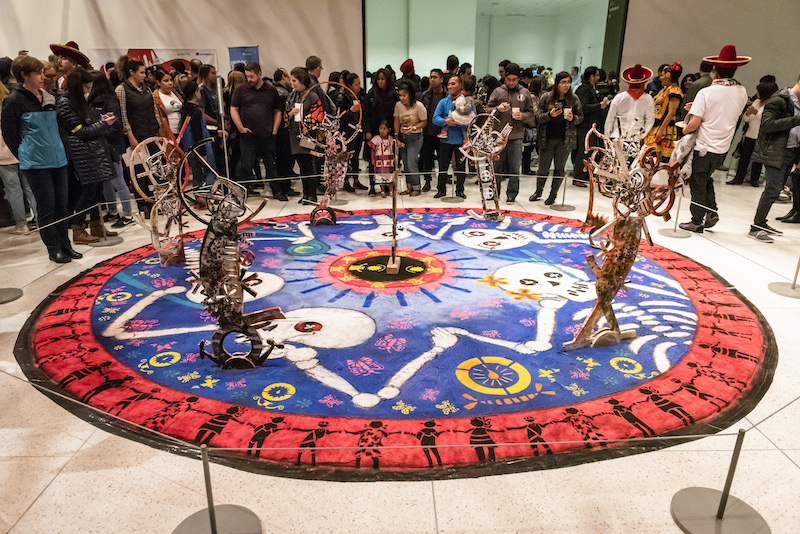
point(60, 473)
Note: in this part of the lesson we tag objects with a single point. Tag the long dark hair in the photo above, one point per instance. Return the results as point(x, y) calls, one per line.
point(73, 89)
point(409, 88)
point(560, 76)
point(102, 92)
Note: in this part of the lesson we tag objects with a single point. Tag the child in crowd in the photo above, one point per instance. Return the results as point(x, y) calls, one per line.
point(462, 113)
point(383, 157)
point(196, 131)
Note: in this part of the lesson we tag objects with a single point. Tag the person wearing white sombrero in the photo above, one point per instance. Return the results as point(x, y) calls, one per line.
point(630, 114)
point(714, 115)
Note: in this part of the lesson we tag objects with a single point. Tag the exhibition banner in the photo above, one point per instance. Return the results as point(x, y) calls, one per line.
point(151, 56)
point(243, 54)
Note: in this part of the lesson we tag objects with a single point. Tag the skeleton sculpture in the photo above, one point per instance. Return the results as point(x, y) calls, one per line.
point(322, 133)
point(223, 277)
point(634, 198)
point(483, 147)
point(155, 173)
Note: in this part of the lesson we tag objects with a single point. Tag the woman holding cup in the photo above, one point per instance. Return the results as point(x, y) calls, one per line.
point(558, 114)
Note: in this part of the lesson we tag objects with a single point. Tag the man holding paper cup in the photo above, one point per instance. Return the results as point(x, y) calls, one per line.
point(513, 105)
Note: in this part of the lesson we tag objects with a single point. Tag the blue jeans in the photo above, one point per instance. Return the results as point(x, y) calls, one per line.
point(49, 186)
point(410, 156)
point(509, 164)
point(14, 185)
point(117, 187)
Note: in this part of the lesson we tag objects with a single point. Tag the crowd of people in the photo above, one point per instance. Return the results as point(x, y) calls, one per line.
point(67, 127)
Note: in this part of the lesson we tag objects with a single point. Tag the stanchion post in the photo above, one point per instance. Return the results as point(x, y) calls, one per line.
point(726, 491)
point(212, 518)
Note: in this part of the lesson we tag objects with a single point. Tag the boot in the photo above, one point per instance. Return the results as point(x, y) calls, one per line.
point(80, 237)
point(347, 187)
point(554, 190)
point(789, 215)
point(792, 217)
point(67, 249)
point(95, 228)
point(540, 181)
point(427, 186)
point(358, 185)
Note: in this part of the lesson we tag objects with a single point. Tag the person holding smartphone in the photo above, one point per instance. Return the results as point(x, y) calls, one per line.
point(558, 114)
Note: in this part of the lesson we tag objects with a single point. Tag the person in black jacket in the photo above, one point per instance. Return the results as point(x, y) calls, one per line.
point(777, 147)
point(104, 101)
point(353, 106)
point(381, 99)
point(83, 131)
point(593, 113)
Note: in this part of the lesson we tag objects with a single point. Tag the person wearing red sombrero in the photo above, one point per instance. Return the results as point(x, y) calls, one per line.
point(630, 114)
point(69, 56)
point(713, 117)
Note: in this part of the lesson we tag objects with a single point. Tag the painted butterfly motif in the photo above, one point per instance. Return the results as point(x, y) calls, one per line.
point(364, 366)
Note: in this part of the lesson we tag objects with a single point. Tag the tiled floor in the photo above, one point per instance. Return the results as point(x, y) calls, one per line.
point(59, 473)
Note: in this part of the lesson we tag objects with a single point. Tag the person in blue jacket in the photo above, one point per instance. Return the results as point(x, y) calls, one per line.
point(30, 129)
point(455, 138)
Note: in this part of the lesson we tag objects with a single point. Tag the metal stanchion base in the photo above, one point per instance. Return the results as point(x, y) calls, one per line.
point(107, 242)
point(694, 510)
point(562, 207)
point(336, 201)
point(9, 294)
point(781, 288)
point(231, 519)
point(452, 200)
point(669, 232)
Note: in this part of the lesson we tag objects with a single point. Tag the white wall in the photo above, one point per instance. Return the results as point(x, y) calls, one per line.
point(436, 30)
point(387, 33)
point(582, 30)
point(439, 28)
point(522, 40)
point(766, 31)
point(553, 41)
point(286, 32)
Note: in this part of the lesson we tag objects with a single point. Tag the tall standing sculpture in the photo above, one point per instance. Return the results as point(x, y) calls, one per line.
point(483, 147)
point(634, 198)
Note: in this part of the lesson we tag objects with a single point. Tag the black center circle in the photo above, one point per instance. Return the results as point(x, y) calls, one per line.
point(373, 269)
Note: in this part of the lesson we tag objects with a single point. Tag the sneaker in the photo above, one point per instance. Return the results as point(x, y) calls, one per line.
point(711, 220)
point(761, 236)
point(770, 230)
point(122, 222)
point(108, 217)
point(280, 197)
point(19, 229)
point(691, 227)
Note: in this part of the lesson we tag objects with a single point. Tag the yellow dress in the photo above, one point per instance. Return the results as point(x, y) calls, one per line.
point(662, 99)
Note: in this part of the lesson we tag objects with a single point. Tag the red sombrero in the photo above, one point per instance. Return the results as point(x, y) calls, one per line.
point(636, 74)
point(727, 58)
point(71, 51)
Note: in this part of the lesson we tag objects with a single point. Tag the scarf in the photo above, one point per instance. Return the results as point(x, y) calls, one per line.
point(636, 93)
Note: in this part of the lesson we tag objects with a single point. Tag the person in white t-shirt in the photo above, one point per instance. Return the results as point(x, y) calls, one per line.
point(713, 115)
point(632, 112)
point(168, 104)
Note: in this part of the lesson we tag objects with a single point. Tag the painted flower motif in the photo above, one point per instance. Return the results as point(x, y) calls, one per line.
point(190, 357)
point(491, 302)
point(528, 322)
point(303, 403)
point(490, 333)
point(233, 385)
point(163, 282)
point(330, 401)
point(524, 294)
point(429, 395)
point(491, 281)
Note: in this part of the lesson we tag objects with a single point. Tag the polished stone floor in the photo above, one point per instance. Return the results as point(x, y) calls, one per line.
point(60, 473)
